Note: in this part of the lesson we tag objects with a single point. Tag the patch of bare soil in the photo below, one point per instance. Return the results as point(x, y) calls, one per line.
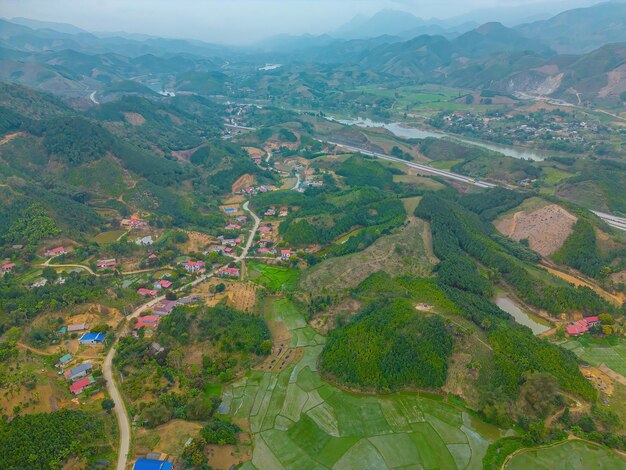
point(619, 277)
point(282, 355)
point(325, 321)
point(225, 457)
point(460, 378)
point(134, 119)
point(615, 83)
point(617, 299)
point(546, 229)
point(237, 199)
point(184, 155)
point(243, 182)
point(600, 380)
point(242, 296)
point(254, 152)
point(9, 137)
point(612, 374)
point(198, 241)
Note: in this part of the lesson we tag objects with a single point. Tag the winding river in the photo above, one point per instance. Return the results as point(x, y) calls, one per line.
point(406, 132)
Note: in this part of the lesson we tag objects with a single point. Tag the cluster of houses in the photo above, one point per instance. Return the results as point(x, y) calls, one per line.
point(583, 326)
point(531, 126)
point(133, 222)
point(165, 307)
point(253, 190)
point(272, 211)
point(161, 284)
point(79, 376)
point(310, 181)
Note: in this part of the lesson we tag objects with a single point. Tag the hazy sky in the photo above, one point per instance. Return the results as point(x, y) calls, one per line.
point(242, 21)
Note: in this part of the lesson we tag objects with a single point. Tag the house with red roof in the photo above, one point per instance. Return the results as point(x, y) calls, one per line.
point(80, 385)
point(232, 227)
point(228, 272)
point(106, 263)
point(7, 267)
point(581, 327)
point(163, 284)
point(286, 254)
point(194, 266)
point(265, 229)
point(149, 321)
point(164, 307)
point(147, 292)
point(59, 250)
point(228, 249)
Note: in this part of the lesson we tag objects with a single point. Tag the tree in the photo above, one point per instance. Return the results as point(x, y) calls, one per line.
point(171, 295)
point(221, 287)
point(606, 319)
point(156, 414)
point(49, 273)
point(266, 347)
point(221, 432)
point(108, 405)
point(538, 394)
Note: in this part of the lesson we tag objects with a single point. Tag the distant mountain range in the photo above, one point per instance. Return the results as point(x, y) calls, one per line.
point(572, 31)
point(578, 55)
point(581, 29)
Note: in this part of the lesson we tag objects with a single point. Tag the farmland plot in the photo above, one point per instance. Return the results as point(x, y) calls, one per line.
point(298, 421)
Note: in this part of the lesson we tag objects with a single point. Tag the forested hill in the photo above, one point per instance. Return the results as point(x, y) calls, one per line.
point(87, 170)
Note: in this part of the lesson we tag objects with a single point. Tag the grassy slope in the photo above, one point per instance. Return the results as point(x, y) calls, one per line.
point(404, 252)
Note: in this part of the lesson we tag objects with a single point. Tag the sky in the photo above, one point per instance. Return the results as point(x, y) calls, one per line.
point(246, 21)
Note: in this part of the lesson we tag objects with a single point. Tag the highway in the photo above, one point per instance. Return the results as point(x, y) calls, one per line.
point(612, 220)
point(107, 367)
point(419, 166)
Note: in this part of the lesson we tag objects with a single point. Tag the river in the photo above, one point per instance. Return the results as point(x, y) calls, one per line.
point(520, 316)
point(406, 132)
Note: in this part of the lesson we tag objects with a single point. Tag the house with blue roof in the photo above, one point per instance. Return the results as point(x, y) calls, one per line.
point(152, 464)
point(92, 338)
point(78, 372)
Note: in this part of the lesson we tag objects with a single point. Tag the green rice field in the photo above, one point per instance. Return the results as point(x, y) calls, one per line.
point(105, 238)
point(275, 278)
point(298, 421)
point(611, 352)
point(570, 455)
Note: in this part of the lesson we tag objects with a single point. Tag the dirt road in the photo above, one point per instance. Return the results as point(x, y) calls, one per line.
point(107, 367)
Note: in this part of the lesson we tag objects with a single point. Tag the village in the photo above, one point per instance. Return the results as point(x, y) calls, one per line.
point(551, 130)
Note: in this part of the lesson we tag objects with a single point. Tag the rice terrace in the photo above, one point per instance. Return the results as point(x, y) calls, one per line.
point(299, 421)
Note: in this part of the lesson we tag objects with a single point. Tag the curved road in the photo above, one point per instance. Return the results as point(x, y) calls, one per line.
point(107, 367)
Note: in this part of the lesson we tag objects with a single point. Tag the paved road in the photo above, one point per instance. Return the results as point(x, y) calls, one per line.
point(297, 185)
point(612, 220)
point(107, 367)
point(419, 166)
